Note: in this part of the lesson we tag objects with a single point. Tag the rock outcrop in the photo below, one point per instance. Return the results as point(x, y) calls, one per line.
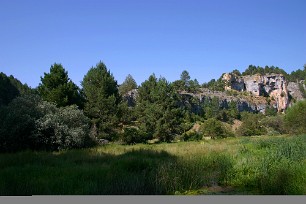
point(131, 97)
point(294, 89)
point(252, 93)
point(273, 85)
point(244, 103)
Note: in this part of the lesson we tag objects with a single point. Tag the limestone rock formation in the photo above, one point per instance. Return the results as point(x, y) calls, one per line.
point(294, 89)
point(273, 85)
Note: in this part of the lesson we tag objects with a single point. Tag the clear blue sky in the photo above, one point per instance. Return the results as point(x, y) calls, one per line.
point(141, 37)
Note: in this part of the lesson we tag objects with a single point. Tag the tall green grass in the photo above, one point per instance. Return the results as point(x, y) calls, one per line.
point(253, 165)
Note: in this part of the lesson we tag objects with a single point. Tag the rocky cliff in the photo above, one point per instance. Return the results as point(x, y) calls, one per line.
point(252, 93)
point(273, 86)
point(297, 90)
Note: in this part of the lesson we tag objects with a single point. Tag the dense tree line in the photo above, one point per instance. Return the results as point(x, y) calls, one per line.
point(60, 115)
point(294, 76)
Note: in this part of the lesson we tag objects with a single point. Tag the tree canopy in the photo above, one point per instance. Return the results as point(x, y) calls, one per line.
point(102, 99)
point(128, 85)
point(58, 88)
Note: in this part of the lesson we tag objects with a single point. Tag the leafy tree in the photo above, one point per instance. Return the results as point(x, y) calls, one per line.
point(102, 99)
point(58, 88)
point(295, 118)
point(128, 85)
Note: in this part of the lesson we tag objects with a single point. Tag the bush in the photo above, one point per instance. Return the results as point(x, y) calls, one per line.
point(132, 135)
point(29, 123)
point(295, 118)
point(17, 123)
point(215, 129)
point(61, 128)
point(274, 125)
point(251, 125)
point(191, 136)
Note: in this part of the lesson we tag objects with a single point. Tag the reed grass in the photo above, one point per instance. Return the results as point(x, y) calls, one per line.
point(248, 165)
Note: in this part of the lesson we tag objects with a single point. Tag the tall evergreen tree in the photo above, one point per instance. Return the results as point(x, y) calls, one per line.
point(10, 88)
point(128, 85)
point(158, 112)
point(102, 99)
point(58, 88)
point(185, 77)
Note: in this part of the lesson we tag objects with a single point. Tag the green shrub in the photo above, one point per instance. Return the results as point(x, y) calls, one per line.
point(29, 123)
point(61, 128)
point(274, 124)
point(17, 123)
point(295, 118)
point(215, 129)
point(191, 136)
point(251, 125)
point(132, 135)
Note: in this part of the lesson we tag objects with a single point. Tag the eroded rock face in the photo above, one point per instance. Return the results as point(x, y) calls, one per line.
point(233, 82)
point(294, 90)
point(273, 85)
point(250, 104)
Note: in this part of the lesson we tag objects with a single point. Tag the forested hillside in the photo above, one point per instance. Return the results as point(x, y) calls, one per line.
point(60, 115)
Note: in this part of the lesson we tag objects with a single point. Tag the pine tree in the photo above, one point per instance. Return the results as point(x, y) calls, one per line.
point(102, 99)
point(157, 110)
point(10, 88)
point(128, 85)
point(58, 88)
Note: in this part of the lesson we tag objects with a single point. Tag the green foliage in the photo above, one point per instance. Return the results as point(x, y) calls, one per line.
point(298, 75)
point(11, 88)
point(263, 165)
point(126, 114)
point(56, 87)
point(102, 99)
point(157, 110)
point(29, 123)
point(128, 85)
point(215, 85)
point(295, 118)
point(270, 111)
point(61, 128)
point(251, 70)
point(251, 125)
point(215, 129)
point(191, 136)
point(211, 107)
point(132, 135)
point(17, 123)
point(185, 78)
point(186, 84)
point(236, 72)
point(274, 124)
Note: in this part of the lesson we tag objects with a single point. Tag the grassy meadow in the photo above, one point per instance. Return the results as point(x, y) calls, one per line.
point(242, 165)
